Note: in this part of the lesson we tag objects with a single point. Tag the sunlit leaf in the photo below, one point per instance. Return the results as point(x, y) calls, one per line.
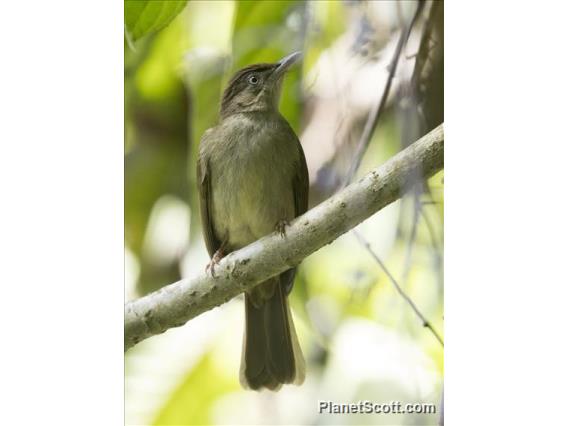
point(191, 402)
point(142, 17)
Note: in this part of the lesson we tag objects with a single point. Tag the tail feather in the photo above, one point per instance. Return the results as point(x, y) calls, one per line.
point(271, 353)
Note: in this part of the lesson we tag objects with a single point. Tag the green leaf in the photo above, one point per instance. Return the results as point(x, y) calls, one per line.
point(191, 403)
point(142, 17)
point(261, 33)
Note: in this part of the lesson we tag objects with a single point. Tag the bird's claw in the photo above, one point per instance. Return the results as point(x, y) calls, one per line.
point(211, 267)
point(281, 227)
point(214, 262)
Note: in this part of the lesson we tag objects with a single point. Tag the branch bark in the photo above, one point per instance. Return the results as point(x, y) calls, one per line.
point(177, 303)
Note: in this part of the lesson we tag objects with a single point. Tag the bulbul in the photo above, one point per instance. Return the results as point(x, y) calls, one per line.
point(253, 180)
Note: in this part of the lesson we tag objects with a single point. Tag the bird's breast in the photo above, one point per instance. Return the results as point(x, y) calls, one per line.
point(252, 184)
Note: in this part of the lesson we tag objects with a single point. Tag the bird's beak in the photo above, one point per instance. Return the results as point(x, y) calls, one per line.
point(285, 63)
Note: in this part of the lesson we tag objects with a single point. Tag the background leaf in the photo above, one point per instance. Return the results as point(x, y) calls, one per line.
point(190, 402)
point(142, 17)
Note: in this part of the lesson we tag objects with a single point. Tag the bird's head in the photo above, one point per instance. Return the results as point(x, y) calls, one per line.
point(256, 87)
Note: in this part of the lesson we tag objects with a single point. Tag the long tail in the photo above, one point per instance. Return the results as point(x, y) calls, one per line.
point(271, 353)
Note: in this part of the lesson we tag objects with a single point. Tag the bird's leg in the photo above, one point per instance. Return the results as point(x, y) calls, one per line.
point(217, 256)
point(281, 227)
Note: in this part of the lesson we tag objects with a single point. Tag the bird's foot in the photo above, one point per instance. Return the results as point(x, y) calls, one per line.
point(214, 262)
point(281, 227)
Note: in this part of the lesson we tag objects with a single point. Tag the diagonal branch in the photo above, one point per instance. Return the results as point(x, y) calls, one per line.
point(174, 305)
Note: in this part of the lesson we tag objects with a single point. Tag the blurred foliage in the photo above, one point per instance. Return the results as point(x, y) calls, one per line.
point(359, 338)
point(186, 406)
point(276, 21)
point(142, 17)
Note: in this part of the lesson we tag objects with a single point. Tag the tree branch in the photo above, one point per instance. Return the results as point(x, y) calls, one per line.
point(240, 271)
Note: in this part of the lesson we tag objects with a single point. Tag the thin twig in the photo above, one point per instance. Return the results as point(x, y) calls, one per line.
point(425, 322)
point(436, 245)
point(430, 227)
point(377, 110)
point(413, 232)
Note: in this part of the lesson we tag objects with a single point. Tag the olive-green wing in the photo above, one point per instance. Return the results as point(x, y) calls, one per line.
point(301, 183)
point(205, 199)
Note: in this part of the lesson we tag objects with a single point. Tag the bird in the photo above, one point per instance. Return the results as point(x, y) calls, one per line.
point(253, 180)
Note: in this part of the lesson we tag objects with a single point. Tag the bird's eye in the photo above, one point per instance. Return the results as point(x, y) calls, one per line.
point(253, 79)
